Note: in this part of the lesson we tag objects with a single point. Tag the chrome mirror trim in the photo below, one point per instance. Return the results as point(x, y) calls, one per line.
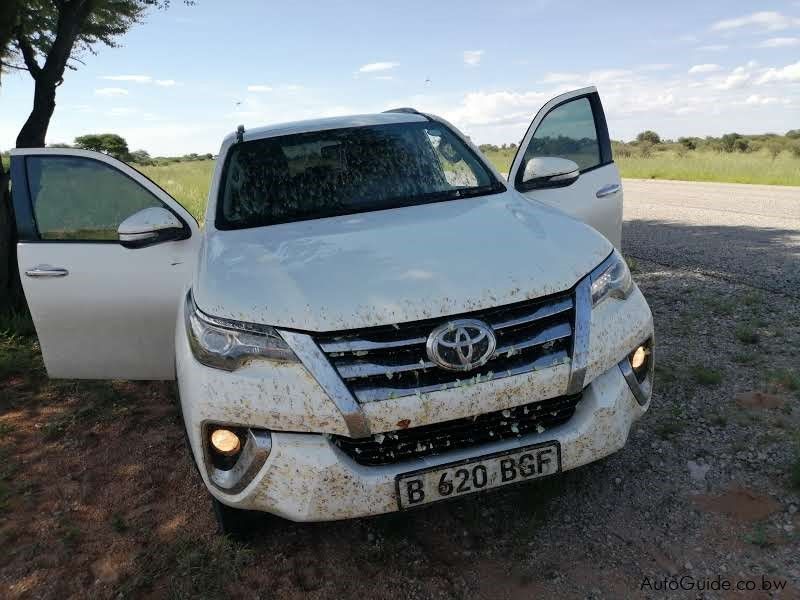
point(149, 226)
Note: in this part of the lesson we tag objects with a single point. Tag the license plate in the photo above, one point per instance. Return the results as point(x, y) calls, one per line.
point(477, 474)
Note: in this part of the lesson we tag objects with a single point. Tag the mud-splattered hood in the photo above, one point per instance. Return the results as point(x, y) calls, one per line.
point(395, 265)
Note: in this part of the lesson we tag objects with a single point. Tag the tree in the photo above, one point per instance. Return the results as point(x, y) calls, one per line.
point(107, 143)
point(793, 134)
point(140, 157)
point(649, 136)
point(9, 280)
point(51, 35)
point(741, 145)
point(728, 141)
point(44, 38)
point(688, 143)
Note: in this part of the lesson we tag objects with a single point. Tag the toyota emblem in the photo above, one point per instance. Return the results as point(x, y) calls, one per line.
point(461, 345)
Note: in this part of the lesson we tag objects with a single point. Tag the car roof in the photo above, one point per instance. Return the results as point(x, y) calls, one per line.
point(385, 118)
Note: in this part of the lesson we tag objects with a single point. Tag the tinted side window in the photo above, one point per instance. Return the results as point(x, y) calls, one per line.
point(567, 131)
point(76, 198)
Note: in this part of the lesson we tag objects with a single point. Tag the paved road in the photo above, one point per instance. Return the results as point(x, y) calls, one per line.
point(746, 233)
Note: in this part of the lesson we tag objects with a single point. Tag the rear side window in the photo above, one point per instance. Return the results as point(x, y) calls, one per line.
point(567, 131)
point(344, 171)
point(76, 198)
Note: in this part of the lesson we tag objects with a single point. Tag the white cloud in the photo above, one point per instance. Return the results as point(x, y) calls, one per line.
point(713, 48)
point(259, 88)
point(779, 42)
point(384, 77)
point(560, 77)
point(472, 58)
point(704, 68)
point(110, 92)
point(763, 100)
point(378, 66)
point(764, 20)
point(140, 79)
point(740, 76)
point(609, 75)
point(787, 73)
point(133, 78)
point(497, 108)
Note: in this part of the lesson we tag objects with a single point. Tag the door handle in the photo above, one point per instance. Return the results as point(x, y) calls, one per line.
point(607, 190)
point(46, 271)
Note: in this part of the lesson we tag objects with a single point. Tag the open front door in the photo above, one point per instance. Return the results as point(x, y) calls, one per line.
point(573, 126)
point(104, 308)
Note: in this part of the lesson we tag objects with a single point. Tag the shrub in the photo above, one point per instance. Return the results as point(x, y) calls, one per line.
point(741, 145)
point(621, 150)
point(649, 136)
point(728, 141)
point(645, 149)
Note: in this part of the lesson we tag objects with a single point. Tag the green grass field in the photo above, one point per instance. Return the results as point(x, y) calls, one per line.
point(188, 181)
point(734, 167)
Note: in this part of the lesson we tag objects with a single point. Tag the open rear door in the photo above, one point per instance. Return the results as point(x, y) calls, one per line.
point(573, 126)
point(101, 310)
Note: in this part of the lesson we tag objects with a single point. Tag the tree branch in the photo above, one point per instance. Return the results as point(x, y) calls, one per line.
point(10, 66)
point(28, 55)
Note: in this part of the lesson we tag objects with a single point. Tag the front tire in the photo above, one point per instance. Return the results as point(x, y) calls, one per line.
point(234, 522)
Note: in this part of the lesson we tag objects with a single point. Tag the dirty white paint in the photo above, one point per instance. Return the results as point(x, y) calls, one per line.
point(618, 326)
point(395, 266)
point(306, 478)
point(263, 394)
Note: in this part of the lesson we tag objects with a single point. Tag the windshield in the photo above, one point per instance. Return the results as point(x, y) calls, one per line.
point(344, 171)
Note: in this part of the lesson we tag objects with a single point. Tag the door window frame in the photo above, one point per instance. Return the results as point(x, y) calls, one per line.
point(22, 198)
point(601, 130)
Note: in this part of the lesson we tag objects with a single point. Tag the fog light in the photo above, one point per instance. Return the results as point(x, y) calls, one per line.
point(639, 358)
point(225, 442)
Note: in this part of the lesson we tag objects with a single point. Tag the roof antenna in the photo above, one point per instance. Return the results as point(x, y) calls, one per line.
point(240, 134)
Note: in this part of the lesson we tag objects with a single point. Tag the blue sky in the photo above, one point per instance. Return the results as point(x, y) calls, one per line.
point(189, 75)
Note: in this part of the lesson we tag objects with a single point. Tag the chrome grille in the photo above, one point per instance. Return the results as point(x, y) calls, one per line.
point(426, 440)
point(380, 363)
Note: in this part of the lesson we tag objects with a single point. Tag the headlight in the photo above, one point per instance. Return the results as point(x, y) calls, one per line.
point(611, 279)
point(228, 345)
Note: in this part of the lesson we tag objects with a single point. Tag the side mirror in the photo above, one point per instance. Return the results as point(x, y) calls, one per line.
point(151, 226)
point(549, 172)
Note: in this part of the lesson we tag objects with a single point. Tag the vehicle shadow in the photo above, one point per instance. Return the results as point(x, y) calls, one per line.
point(768, 258)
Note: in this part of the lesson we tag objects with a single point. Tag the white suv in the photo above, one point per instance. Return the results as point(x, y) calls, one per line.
point(372, 319)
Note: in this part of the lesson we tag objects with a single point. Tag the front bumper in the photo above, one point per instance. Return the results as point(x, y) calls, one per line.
point(306, 478)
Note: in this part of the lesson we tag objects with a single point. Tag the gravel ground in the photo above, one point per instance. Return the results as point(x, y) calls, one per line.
point(104, 501)
point(748, 233)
